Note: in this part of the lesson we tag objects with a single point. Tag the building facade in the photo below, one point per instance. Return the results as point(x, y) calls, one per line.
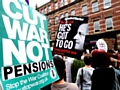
point(104, 19)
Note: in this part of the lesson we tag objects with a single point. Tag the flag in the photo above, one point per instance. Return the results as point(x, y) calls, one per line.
point(27, 1)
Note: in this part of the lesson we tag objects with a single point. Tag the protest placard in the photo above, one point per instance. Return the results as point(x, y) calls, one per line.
point(101, 44)
point(26, 61)
point(71, 36)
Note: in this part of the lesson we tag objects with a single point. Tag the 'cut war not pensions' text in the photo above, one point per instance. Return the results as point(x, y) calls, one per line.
point(24, 34)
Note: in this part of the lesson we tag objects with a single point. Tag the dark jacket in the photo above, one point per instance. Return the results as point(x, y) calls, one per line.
point(103, 78)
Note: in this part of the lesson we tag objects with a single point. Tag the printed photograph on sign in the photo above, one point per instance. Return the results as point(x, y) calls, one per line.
point(26, 61)
point(70, 36)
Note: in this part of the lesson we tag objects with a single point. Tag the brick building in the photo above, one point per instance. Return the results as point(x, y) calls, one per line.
point(104, 18)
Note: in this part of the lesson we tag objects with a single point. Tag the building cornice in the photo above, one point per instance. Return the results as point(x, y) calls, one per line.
point(61, 8)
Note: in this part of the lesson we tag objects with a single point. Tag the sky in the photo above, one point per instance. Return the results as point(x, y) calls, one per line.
point(34, 2)
point(38, 2)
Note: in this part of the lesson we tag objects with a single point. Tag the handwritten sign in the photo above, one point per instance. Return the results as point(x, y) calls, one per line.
point(101, 44)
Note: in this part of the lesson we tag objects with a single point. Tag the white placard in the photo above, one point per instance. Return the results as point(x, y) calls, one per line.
point(101, 44)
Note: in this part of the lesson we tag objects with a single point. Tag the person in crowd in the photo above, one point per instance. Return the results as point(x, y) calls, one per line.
point(0, 87)
point(83, 78)
point(48, 87)
point(114, 65)
point(103, 76)
point(119, 59)
point(61, 84)
point(68, 63)
point(80, 37)
point(115, 54)
point(114, 58)
point(114, 62)
point(84, 52)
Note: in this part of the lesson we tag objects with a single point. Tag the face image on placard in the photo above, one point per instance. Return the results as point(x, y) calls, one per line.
point(80, 37)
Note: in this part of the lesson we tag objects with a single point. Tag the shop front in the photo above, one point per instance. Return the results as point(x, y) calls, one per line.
point(111, 38)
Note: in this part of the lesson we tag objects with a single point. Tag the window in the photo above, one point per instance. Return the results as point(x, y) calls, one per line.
point(50, 34)
point(107, 3)
point(42, 10)
point(56, 31)
point(50, 22)
point(49, 8)
point(56, 5)
point(96, 26)
point(72, 0)
point(61, 3)
point(56, 20)
point(66, 14)
point(73, 12)
point(109, 23)
point(61, 16)
point(45, 10)
point(94, 6)
point(65, 2)
point(84, 10)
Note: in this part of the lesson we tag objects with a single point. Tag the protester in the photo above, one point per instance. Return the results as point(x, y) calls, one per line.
point(82, 56)
point(48, 87)
point(103, 77)
point(80, 36)
point(83, 78)
point(61, 84)
point(114, 58)
point(114, 62)
point(119, 59)
point(114, 65)
point(0, 87)
point(84, 52)
point(68, 63)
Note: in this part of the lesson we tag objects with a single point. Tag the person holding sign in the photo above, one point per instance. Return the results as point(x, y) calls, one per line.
point(61, 84)
point(80, 37)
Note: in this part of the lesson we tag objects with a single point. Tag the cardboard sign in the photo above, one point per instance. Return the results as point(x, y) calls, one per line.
point(101, 44)
point(26, 61)
point(71, 36)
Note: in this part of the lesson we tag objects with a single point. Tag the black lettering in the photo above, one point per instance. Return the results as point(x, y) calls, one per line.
point(35, 68)
point(52, 65)
point(26, 69)
point(48, 64)
point(43, 65)
point(7, 70)
point(39, 66)
point(17, 69)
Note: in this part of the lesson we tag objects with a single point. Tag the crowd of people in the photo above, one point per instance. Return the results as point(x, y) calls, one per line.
point(101, 70)
point(99, 73)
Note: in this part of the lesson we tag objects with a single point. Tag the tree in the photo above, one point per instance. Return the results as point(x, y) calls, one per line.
point(74, 68)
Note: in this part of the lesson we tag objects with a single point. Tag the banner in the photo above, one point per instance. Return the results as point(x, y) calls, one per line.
point(26, 61)
point(71, 36)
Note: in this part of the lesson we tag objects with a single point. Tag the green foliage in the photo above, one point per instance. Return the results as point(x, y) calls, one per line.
point(74, 68)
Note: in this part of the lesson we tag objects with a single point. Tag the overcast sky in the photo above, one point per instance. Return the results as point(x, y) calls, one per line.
point(38, 2)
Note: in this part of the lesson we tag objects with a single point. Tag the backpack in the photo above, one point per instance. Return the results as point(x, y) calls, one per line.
point(81, 81)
